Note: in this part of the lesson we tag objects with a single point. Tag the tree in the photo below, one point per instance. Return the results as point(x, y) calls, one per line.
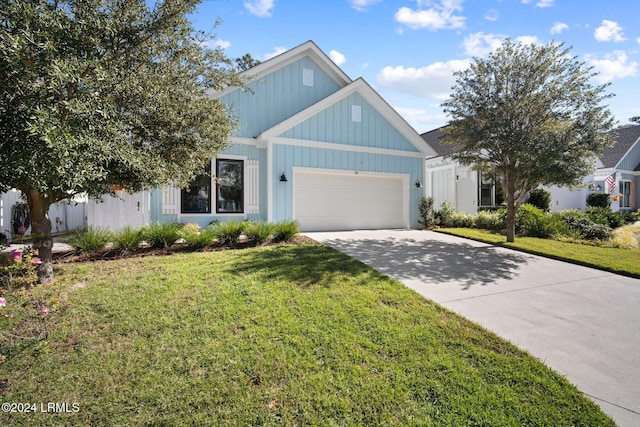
point(635, 119)
point(246, 61)
point(530, 115)
point(99, 94)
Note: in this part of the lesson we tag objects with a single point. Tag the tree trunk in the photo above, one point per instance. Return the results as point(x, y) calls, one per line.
point(41, 233)
point(511, 208)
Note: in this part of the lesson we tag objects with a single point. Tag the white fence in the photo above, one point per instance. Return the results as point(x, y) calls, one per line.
point(64, 216)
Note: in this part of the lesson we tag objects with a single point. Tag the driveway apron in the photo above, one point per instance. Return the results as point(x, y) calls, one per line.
point(582, 322)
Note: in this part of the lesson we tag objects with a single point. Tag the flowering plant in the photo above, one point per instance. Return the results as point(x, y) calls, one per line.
point(23, 313)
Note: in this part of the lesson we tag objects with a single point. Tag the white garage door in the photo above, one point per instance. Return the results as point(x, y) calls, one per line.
point(334, 201)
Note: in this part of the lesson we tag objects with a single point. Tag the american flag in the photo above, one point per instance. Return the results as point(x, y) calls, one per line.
point(611, 182)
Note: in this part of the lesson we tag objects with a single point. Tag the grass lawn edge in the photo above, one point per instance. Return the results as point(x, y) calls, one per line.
point(515, 246)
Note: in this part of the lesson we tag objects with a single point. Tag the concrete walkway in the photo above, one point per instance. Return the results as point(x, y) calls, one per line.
point(581, 322)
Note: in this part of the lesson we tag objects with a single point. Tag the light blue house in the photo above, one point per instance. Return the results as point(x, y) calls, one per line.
point(312, 146)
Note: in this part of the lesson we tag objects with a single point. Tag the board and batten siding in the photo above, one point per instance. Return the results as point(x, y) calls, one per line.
point(341, 123)
point(286, 157)
point(632, 159)
point(277, 96)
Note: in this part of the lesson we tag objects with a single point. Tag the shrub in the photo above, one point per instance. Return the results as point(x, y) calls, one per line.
point(540, 198)
point(284, 231)
point(534, 222)
point(445, 215)
point(605, 216)
point(227, 233)
point(588, 229)
point(162, 235)
point(627, 236)
point(258, 232)
point(601, 200)
point(194, 237)
point(89, 239)
point(128, 239)
point(427, 212)
point(464, 220)
point(489, 220)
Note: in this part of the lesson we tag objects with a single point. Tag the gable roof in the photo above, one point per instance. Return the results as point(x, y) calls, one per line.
point(611, 156)
point(625, 139)
point(371, 96)
point(308, 48)
point(433, 139)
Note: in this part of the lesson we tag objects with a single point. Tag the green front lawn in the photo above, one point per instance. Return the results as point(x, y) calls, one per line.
point(280, 335)
point(616, 260)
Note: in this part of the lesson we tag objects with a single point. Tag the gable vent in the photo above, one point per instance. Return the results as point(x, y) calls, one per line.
point(307, 77)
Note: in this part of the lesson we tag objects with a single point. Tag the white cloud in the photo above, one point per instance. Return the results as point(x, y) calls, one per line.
point(363, 5)
point(261, 8)
point(222, 44)
point(541, 3)
point(609, 31)
point(545, 3)
point(615, 65)
point(423, 120)
point(558, 27)
point(638, 40)
point(481, 44)
point(433, 81)
point(492, 15)
point(528, 40)
point(440, 15)
point(337, 57)
point(276, 51)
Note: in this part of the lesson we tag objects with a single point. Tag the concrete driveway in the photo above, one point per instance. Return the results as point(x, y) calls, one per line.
point(583, 323)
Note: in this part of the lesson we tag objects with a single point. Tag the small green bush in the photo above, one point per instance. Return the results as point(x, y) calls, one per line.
point(284, 231)
point(128, 239)
point(258, 232)
point(161, 235)
point(90, 239)
point(227, 233)
point(540, 198)
point(488, 220)
point(444, 216)
point(588, 229)
point(601, 200)
point(534, 222)
point(606, 216)
point(463, 220)
point(196, 238)
point(427, 213)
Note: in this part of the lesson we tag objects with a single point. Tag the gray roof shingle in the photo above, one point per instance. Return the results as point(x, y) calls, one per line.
point(625, 139)
point(610, 157)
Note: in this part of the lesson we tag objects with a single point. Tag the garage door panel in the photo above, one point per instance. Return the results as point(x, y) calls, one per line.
point(325, 201)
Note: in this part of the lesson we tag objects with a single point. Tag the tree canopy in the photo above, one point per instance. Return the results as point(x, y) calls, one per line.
point(102, 93)
point(530, 115)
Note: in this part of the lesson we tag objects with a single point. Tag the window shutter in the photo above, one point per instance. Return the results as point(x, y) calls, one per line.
point(253, 187)
point(170, 201)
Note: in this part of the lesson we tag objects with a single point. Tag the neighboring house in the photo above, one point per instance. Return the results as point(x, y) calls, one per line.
point(312, 146)
point(618, 173)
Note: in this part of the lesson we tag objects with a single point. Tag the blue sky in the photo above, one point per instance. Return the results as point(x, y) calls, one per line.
point(408, 49)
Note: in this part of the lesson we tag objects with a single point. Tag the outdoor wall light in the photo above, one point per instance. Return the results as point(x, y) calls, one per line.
point(418, 184)
point(283, 178)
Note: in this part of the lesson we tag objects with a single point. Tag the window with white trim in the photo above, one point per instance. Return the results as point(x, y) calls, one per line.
point(229, 186)
point(196, 198)
point(489, 190)
point(625, 194)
